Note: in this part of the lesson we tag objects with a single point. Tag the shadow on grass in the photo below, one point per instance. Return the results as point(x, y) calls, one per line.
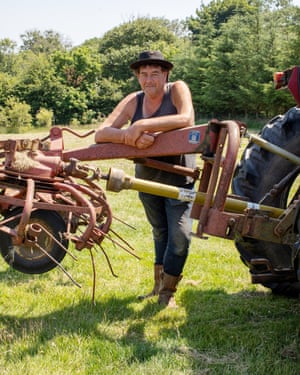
point(218, 328)
point(245, 332)
point(111, 321)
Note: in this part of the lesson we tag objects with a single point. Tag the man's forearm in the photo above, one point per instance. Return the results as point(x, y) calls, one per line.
point(109, 134)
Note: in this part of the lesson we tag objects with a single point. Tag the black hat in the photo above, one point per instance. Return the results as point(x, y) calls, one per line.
point(151, 58)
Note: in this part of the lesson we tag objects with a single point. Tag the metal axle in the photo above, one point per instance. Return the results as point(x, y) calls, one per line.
point(118, 180)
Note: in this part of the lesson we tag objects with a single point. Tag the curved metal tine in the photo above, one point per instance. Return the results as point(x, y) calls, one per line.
point(108, 261)
point(124, 222)
point(119, 244)
point(58, 264)
point(122, 239)
point(57, 242)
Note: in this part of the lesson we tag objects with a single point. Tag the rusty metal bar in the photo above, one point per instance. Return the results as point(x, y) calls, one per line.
point(191, 140)
point(275, 149)
point(92, 214)
point(26, 211)
point(177, 169)
point(233, 144)
point(212, 182)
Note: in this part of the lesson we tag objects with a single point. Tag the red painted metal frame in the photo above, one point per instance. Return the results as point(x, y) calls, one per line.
point(216, 141)
point(187, 140)
point(219, 140)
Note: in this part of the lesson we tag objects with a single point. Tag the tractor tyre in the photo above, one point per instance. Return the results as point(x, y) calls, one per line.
point(30, 259)
point(256, 174)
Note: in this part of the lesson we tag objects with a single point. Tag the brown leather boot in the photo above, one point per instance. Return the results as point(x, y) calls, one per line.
point(158, 269)
point(167, 289)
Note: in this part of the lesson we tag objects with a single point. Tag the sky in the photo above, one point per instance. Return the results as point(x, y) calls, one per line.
point(80, 20)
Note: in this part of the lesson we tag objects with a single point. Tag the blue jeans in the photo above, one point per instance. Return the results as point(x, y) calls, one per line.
point(171, 228)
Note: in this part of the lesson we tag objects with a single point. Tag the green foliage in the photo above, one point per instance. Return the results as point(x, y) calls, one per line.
point(290, 36)
point(44, 118)
point(37, 83)
point(237, 57)
point(15, 116)
point(71, 103)
point(227, 53)
point(109, 93)
point(77, 77)
point(78, 68)
point(7, 55)
point(47, 42)
point(211, 17)
point(121, 46)
point(142, 32)
point(7, 85)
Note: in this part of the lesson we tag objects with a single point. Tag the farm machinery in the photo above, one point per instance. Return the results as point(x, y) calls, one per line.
point(50, 197)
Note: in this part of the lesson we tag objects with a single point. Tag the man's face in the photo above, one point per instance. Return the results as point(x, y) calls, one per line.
point(152, 79)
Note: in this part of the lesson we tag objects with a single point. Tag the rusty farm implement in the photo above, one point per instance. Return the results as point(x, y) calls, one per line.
point(50, 197)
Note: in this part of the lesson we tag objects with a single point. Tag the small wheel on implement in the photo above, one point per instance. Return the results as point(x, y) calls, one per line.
point(30, 259)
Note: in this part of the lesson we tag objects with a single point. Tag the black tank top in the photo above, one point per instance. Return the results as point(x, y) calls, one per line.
point(147, 173)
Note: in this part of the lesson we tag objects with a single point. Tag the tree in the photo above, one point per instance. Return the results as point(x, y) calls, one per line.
point(238, 55)
point(79, 68)
point(36, 82)
point(121, 45)
point(15, 116)
point(44, 117)
point(7, 85)
point(227, 53)
point(7, 56)
point(65, 82)
point(293, 43)
point(79, 72)
point(210, 18)
point(47, 42)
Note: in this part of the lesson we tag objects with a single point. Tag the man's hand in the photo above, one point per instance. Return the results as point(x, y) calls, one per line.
point(135, 136)
point(145, 140)
point(132, 134)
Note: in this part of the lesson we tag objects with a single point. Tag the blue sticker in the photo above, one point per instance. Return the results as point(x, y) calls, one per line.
point(194, 136)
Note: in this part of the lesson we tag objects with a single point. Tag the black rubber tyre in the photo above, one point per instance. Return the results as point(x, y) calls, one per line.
point(32, 260)
point(255, 175)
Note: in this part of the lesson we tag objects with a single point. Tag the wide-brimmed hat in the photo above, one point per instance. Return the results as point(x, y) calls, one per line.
point(151, 58)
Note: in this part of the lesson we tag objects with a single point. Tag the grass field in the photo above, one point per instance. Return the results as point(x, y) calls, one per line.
point(224, 324)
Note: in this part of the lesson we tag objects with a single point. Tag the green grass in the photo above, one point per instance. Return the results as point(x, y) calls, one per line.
point(224, 324)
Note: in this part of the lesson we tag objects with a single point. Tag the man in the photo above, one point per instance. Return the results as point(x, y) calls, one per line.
point(160, 106)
